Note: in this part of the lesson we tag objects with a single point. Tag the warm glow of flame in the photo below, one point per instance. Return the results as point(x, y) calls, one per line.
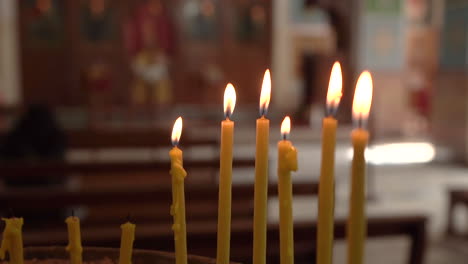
point(265, 93)
point(362, 96)
point(176, 131)
point(335, 86)
point(286, 126)
point(229, 100)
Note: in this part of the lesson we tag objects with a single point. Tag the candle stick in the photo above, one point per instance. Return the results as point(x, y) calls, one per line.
point(287, 162)
point(178, 195)
point(225, 178)
point(74, 239)
point(261, 175)
point(356, 228)
point(12, 241)
point(126, 243)
point(327, 175)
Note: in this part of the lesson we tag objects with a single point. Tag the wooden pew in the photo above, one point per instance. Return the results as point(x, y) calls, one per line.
point(107, 174)
point(457, 196)
point(59, 169)
point(105, 139)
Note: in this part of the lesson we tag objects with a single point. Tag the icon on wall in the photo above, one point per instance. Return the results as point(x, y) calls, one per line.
point(308, 11)
point(200, 19)
point(97, 20)
point(149, 40)
point(250, 20)
point(43, 22)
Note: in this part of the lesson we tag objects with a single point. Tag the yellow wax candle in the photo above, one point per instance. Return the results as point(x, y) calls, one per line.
point(261, 175)
point(12, 241)
point(178, 196)
point(126, 243)
point(225, 178)
point(356, 228)
point(287, 162)
point(326, 202)
point(74, 239)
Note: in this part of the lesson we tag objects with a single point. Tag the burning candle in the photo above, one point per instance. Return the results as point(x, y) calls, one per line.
point(287, 162)
point(74, 239)
point(327, 175)
point(225, 178)
point(178, 195)
point(13, 240)
point(356, 229)
point(261, 175)
point(126, 243)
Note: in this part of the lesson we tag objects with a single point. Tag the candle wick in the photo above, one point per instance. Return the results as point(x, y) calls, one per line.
point(128, 217)
point(360, 121)
point(263, 110)
point(332, 109)
point(228, 112)
point(73, 212)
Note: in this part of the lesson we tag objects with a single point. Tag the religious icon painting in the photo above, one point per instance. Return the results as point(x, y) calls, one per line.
point(43, 22)
point(149, 40)
point(97, 21)
point(200, 19)
point(96, 79)
point(250, 20)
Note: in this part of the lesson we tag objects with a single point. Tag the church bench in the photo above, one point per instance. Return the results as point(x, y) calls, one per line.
point(457, 196)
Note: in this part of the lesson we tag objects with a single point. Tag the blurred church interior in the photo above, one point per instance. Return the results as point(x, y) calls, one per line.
point(89, 91)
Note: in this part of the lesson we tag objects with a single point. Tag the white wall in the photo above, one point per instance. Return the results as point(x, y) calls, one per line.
point(289, 36)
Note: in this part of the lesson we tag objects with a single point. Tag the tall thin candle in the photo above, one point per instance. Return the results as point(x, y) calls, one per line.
point(287, 162)
point(178, 195)
point(327, 175)
point(225, 178)
point(356, 229)
point(261, 175)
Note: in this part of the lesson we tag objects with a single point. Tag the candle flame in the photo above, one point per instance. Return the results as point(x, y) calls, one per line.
point(334, 88)
point(265, 94)
point(176, 131)
point(362, 97)
point(229, 100)
point(285, 127)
